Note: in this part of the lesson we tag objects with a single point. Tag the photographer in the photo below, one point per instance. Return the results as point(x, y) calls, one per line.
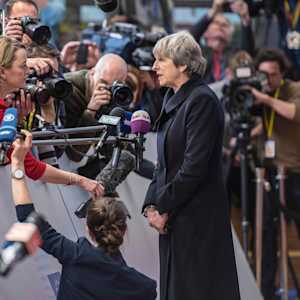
point(281, 120)
point(49, 111)
point(14, 11)
point(217, 31)
point(91, 96)
point(90, 270)
point(13, 72)
point(70, 53)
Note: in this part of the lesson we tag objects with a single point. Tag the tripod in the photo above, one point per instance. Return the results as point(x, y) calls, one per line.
point(244, 148)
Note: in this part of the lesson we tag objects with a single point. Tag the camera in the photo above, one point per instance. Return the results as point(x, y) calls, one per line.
point(54, 84)
point(38, 32)
point(143, 58)
point(238, 98)
point(121, 38)
point(121, 94)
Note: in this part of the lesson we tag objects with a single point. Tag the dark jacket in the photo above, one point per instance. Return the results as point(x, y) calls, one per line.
point(196, 256)
point(87, 272)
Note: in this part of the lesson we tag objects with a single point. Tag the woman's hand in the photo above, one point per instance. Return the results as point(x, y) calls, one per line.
point(21, 148)
point(92, 186)
point(24, 105)
point(157, 221)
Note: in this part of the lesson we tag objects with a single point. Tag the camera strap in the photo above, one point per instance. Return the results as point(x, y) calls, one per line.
point(270, 123)
point(28, 121)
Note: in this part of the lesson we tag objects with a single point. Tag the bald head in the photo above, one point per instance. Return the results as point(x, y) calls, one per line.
point(110, 67)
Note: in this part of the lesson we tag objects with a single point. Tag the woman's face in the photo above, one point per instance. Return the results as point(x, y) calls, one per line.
point(15, 76)
point(167, 73)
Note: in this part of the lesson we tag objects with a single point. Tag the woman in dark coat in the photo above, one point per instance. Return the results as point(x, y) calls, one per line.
point(186, 200)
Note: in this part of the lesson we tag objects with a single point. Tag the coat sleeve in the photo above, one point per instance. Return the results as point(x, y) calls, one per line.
point(54, 243)
point(203, 130)
point(150, 198)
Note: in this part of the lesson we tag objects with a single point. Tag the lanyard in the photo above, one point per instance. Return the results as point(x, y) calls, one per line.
point(270, 123)
point(292, 18)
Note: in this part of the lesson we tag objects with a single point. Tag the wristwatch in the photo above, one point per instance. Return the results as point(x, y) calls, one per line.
point(17, 174)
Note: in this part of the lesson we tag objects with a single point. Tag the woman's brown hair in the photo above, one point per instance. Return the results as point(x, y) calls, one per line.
point(106, 220)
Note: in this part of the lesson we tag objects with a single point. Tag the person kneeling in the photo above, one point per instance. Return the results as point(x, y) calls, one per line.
point(90, 270)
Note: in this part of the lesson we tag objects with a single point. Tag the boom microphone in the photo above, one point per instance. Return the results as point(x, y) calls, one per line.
point(8, 131)
point(22, 239)
point(111, 178)
point(107, 5)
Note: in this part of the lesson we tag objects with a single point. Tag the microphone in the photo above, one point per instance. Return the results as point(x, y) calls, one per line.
point(140, 124)
point(110, 178)
point(8, 131)
point(123, 130)
point(125, 119)
point(23, 239)
point(107, 5)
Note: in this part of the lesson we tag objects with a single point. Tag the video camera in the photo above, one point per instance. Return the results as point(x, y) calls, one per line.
point(122, 39)
point(38, 32)
point(238, 98)
point(54, 84)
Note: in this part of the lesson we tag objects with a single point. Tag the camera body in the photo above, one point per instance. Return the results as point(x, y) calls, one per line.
point(238, 98)
point(122, 95)
point(54, 85)
point(38, 32)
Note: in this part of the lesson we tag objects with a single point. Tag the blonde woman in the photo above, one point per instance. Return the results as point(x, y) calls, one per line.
point(13, 72)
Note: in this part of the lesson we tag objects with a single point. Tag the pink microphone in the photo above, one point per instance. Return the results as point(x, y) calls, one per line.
point(140, 122)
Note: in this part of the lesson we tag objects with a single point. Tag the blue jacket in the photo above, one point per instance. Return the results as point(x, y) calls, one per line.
point(88, 273)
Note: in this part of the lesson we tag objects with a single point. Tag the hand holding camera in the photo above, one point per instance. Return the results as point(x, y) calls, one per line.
point(100, 97)
point(27, 29)
point(41, 66)
point(22, 102)
point(14, 29)
point(80, 55)
point(260, 97)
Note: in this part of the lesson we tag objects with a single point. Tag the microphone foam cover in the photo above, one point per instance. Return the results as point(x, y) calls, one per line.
point(140, 122)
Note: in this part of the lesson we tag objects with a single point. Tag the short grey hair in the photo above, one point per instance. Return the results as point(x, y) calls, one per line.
point(182, 49)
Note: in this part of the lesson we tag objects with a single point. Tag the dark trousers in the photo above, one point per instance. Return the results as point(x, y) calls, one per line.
point(271, 226)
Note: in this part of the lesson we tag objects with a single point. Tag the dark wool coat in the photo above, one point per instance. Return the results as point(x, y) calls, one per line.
point(196, 256)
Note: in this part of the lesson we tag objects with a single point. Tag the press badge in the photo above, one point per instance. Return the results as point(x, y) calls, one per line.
point(270, 149)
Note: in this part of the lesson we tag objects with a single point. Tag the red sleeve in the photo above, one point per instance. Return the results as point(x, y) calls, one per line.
point(34, 168)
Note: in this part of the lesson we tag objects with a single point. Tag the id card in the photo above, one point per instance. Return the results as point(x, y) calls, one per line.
point(270, 149)
point(293, 40)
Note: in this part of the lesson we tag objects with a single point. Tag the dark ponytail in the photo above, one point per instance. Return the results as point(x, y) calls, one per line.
point(106, 220)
